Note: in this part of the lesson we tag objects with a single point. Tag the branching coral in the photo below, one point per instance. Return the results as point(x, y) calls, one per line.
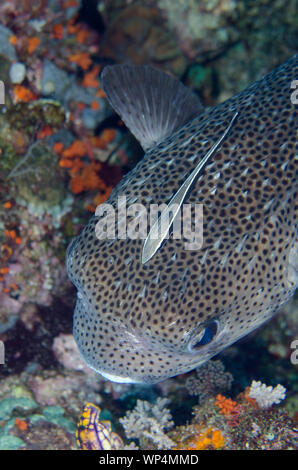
point(149, 421)
point(266, 396)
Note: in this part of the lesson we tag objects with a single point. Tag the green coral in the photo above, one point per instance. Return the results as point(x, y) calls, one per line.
point(54, 414)
point(9, 157)
point(24, 120)
point(8, 405)
point(10, 442)
point(39, 187)
point(27, 117)
point(22, 407)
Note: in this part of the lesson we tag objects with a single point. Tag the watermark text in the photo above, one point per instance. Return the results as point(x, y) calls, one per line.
point(136, 221)
point(294, 94)
point(294, 355)
point(2, 352)
point(2, 92)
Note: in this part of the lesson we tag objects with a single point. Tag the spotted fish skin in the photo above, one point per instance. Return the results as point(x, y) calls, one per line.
point(137, 322)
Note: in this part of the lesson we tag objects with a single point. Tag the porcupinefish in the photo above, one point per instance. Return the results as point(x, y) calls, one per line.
point(147, 311)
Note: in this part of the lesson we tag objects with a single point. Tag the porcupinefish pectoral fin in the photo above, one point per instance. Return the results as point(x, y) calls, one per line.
point(160, 230)
point(151, 103)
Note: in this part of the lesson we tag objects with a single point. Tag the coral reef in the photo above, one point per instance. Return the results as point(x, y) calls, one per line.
point(25, 425)
point(138, 34)
point(218, 423)
point(223, 37)
point(62, 151)
point(51, 153)
point(206, 28)
point(240, 424)
point(203, 29)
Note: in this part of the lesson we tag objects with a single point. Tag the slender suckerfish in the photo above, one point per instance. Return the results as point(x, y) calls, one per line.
point(148, 308)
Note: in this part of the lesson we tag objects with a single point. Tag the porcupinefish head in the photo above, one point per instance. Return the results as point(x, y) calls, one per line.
point(149, 308)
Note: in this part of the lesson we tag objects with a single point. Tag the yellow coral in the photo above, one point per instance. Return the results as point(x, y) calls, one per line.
point(218, 439)
point(208, 439)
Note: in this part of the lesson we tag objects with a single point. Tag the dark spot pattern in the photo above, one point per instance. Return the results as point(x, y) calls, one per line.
point(136, 321)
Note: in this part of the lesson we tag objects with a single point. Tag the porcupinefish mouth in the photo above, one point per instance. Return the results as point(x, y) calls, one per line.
point(118, 379)
point(200, 345)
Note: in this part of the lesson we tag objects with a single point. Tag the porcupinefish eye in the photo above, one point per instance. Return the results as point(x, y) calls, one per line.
point(206, 334)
